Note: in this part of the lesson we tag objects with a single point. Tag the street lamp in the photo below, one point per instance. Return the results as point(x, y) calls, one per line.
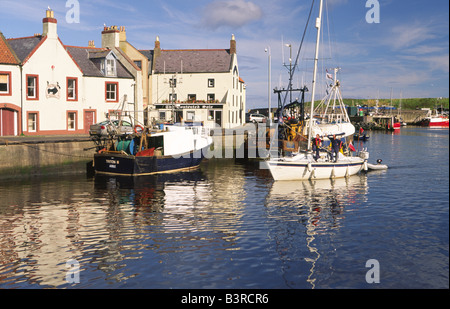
point(267, 50)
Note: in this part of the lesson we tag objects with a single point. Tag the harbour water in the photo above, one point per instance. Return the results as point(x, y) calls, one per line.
point(228, 225)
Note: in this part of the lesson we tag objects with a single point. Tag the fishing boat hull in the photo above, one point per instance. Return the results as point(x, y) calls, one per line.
point(307, 169)
point(128, 165)
point(436, 122)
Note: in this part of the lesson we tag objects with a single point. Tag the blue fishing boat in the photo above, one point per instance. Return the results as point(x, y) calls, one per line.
point(172, 148)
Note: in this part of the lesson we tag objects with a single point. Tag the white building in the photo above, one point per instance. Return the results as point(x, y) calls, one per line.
point(58, 89)
point(47, 87)
point(197, 84)
point(10, 107)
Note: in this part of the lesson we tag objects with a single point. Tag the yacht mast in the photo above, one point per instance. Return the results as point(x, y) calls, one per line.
point(316, 58)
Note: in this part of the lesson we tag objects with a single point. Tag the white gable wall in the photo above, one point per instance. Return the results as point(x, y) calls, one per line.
point(52, 65)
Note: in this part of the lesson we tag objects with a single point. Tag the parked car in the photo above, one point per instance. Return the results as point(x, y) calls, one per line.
point(257, 118)
point(104, 128)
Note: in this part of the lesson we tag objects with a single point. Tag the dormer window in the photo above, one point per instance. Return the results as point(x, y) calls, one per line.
point(110, 67)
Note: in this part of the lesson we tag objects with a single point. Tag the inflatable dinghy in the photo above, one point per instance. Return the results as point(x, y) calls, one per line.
point(377, 166)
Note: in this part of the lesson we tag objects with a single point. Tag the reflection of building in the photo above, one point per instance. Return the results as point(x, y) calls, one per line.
point(60, 222)
point(47, 87)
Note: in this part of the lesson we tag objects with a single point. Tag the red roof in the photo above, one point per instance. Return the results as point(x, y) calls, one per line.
point(7, 56)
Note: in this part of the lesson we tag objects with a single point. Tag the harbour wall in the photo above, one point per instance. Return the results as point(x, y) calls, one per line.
point(24, 157)
point(408, 116)
point(46, 155)
point(40, 158)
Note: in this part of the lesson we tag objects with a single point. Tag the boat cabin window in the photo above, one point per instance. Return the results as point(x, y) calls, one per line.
point(156, 142)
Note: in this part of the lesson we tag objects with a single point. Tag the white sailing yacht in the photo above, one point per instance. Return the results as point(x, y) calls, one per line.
point(301, 165)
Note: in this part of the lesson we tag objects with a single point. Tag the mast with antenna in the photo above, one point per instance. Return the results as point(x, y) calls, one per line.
point(316, 58)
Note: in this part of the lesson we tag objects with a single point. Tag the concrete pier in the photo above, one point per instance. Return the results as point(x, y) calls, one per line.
point(27, 156)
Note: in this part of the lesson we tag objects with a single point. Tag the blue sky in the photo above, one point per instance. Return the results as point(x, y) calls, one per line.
point(407, 53)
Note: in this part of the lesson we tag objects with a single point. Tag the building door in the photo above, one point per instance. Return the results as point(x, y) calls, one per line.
point(89, 119)
point(8, 122)
point(218, 118)
point(179, 116)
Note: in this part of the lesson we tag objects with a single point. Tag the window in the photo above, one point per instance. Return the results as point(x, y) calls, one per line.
point(112, 92)
point(162, 115)
point(190, 115)
point(173, 83)
point(32, 122)
point(211, 97)
point(210, 82)
point(110, 67)
point(192, 98)
point(5, 83)
point(172, 97)
point(138, 63)
point(72, 89)
point(71, 121)
point(32, 87)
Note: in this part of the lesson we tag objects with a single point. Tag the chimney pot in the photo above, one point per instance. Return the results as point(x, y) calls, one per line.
point(157, 51)
point(49, 25)
point(233, 45)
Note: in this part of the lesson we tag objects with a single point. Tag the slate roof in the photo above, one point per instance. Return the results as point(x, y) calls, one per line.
point(24, 46)
point(88, 60)
point(147, 53)
point(194, 61)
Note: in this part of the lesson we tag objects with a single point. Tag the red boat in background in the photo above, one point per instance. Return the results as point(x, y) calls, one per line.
point(435, 121)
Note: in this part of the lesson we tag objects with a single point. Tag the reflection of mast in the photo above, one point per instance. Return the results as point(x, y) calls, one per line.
point(317, 209)
point(310, 231)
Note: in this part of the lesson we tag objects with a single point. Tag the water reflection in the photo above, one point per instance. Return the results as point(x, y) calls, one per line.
point(106, 222)
point(310, 213)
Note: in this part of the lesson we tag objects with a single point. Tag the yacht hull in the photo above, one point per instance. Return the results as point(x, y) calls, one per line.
point(308, 169)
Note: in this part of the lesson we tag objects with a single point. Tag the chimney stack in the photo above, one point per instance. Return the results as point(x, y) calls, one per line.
point(91, 44)
point(232, 45)
point(157, 51)
point(122, 34)
point(110, 37)
point(49, 25)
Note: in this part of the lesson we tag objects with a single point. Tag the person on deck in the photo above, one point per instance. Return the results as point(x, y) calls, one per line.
point(316, 144)
point(335, 146)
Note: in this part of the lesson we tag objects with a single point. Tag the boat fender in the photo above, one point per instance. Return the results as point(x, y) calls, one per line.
point(309, 167)
point(366, 168)
point(136, 127)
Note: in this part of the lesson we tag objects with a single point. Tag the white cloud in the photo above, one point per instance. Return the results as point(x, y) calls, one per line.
point(408, 35)
point(231, 13)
